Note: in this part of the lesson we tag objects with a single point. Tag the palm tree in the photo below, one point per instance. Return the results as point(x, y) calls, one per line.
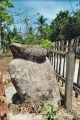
point(41, 24)
point(30, 30)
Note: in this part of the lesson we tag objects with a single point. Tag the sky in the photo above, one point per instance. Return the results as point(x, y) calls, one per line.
point(48, 8)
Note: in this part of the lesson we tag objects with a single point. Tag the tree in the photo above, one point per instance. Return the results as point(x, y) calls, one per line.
point(27, 20)
point(41, 24)
point(65, 26)
point(10, 36)
point(72, 26)
point(5, 18)
point(30, 38)
point(14, 32)
point(14, 36)
point(57, 26)
point(30, 30)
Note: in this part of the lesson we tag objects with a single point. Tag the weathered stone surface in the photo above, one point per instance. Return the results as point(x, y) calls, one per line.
point(34, 81)
point(32, 53)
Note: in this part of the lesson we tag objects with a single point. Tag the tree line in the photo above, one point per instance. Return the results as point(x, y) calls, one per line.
point(65, 26)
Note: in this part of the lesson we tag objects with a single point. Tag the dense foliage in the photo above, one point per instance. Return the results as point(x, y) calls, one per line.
point(64, 27)
point(5, 19)
point(47, 44)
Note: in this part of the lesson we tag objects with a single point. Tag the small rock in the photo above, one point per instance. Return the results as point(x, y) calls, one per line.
point(10, 91)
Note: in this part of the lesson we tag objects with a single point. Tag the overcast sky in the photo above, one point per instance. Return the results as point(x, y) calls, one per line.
point(47, 8)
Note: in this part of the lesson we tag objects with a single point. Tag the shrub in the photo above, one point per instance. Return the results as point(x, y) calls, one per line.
point(47, 45)
point(50, 111)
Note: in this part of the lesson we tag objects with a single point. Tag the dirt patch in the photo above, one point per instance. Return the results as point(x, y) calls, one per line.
point(5, 59)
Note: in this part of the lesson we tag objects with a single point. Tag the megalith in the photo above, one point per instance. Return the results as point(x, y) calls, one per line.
point(32, 74)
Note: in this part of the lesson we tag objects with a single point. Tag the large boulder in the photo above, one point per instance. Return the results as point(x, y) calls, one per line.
point(34, 81)
point(32, 74)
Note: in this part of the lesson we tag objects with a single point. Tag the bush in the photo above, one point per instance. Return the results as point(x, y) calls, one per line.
point(50, 111)
point(47, 45)
point(31, 40)
point(16, 40)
